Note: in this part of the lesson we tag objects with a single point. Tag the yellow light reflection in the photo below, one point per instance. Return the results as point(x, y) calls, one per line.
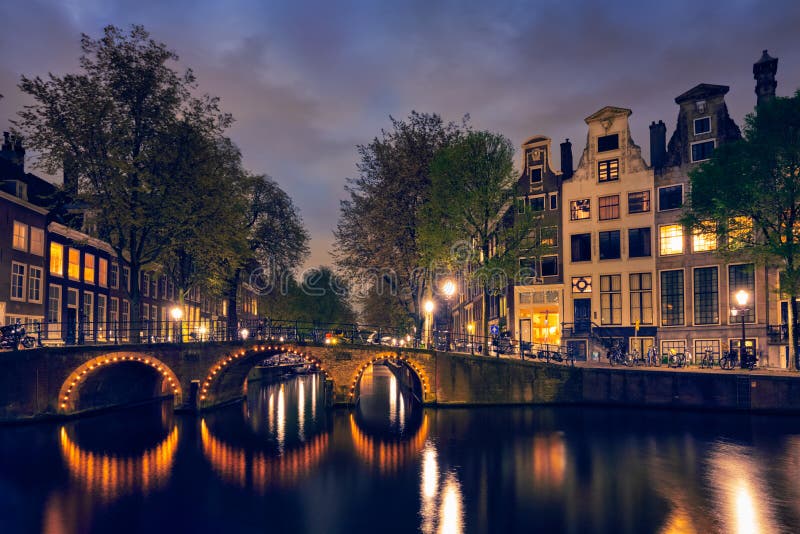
point(451, 518)
point(549, 459)
point(236, 466)
point(387, 456)
point(743, 501)
point(280, 434)
point(429, 486)
point(110, 476)
point(301, 411)
point(392, 399)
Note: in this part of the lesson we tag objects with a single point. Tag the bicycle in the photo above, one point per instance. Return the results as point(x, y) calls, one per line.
point(707, 362)
point(676, 359)
point(728, 360)
point(615, 356)
point(653, 359)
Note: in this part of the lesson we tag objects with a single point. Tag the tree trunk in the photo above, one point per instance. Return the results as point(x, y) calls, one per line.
point(793, 359)
point(136, 304)
point(233, 316)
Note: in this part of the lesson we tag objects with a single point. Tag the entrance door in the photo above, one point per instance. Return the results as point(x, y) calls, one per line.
point(581, 313)
point(525, 334)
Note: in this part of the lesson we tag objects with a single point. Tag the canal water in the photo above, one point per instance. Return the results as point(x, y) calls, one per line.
point(281, 462)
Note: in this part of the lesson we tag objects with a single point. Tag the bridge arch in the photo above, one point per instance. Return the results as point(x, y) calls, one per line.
point(69, 393)
point(226, 378)
point(417, 372)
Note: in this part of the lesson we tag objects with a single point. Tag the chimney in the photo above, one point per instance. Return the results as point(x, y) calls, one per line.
point(566, 160)
point(6, 142)
point(764, 71)
point(12, 150)
point(658, 144)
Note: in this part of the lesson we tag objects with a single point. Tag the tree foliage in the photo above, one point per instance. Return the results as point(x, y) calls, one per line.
point(376, 237)
point(748, 195)
point(473, 196)
point(320, 296)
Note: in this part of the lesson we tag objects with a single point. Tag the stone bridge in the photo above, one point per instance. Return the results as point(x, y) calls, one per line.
point(70, 380)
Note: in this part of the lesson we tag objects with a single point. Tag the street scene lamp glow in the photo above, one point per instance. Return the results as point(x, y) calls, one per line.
point(449, 288)
point(176, 313)
point(742, 298)
point(428, 306)
point(244, 332)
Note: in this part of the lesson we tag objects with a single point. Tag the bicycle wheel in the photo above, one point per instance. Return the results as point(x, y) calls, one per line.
point(612, 360)
point(628, 360)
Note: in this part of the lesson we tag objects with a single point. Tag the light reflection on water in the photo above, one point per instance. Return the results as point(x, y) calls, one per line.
point(403, 470)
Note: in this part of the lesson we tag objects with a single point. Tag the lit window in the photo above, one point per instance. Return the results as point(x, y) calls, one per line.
point(102, 272)
point(549, 236)
point(20, 236)
point(704, 240)
point(671, 239)
point(56, 259)
point(37, 241)
point(17, 281)
point(740, 232)
point(88, 268)
point(579, 209)
point(74, 268)
point(608, 207)
point(639, 202)
point(608, 171)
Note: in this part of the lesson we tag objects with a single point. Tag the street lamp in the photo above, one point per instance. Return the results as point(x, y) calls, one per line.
point(448, 290)
point(428, 306)
point(742, 299)
point(177, 315)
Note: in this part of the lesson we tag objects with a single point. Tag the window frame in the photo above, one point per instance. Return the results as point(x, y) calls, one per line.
point(661, 239)
point(25, 236)
point(572, 241)
point(40, 232)
point(39, 284)
point(89, 268)
point(695, 311)
point(554, 261)
point(608, 136)
point(69, 264)
point(575, 209)
point(664, 301)
point(554, 230)
point(694, 125)
point(703, 142)
point(609, 233)
point(18, 276)
point(552, 202)
point(533, 198)
point(608, 302)
point(59, 246)
point(648, 202)
point(604, 167)
point(610, 207)
point(754, 301)
point(649, 242)
point(641, 292)
point(671, 186)
point(531, 173)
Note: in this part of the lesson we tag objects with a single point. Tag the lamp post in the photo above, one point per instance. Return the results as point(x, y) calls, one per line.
point(448, 290)
point(471, 330)
point(742, 299)
point(177, 314)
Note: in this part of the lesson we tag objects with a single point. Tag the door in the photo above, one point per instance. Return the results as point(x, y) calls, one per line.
point(71, 326)
point(581, 313)
point(525, 334)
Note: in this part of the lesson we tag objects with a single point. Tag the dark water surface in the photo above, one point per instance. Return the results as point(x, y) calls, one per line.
point(282, 463)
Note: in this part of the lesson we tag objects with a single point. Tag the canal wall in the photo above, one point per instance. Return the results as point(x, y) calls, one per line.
point(471, 380)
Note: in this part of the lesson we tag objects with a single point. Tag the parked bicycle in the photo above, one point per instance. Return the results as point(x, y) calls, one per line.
point(617, 356)
point(676, 359)
point(707, 361)
point(653, 359)
point(729, 360)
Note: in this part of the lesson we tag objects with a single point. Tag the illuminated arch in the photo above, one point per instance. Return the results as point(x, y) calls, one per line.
point(67, 396)
point(216, 370)
point(387, 456)
point(411, 364)
point(115, 475)
point(237, 466)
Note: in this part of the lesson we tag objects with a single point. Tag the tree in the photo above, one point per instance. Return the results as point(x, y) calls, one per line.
point(472, 203)
point(277, 242)
point(376, 237)
point(113, 128)
point(748, 194)
point(320, 297)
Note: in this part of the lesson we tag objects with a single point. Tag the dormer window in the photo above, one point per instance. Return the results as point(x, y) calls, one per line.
point(702, 126)
point(700, 105)
point(606, 143)
point(536, 175)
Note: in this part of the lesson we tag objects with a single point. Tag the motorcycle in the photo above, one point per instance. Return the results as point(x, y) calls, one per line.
point(13, 336)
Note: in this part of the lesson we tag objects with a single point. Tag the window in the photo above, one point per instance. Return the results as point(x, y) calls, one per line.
point(88, 313)
point(672, 298)
point(113, 275)
point(742, 277)
point(37, 241)
point(579, 209)
point(641, 298)
point(56, 259)
point(124, 320)
point(549, 236)
point(608, 142)
point(35, 284)
point(54, 312)
point(702, 151)
point(527, 267)
point(102, 272)
point(611, 299)
point(700, 106)
point(704, 240)
point(703, 345)
point(17, 281)
point(74, 268)
point(145, 284)
point(154, 286)
point(702, 126)
point(20, 236)
point(676, 346)
point(670, 239)
point(740, 232)
point(670, 197)
point(581, 247)
point(639, 242)
point(536, 174)
point(88, 268)
point(101, 316)
point(549, 265)
point(581, 284)
point(553, 201)
point(608, 207)
point(639, 202)
point(536, 203)
point(608, 171)
point(706, 295)
point(113, 313)
point(126, 278)
point(609, 245)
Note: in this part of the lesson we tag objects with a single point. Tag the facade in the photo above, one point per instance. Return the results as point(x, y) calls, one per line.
point(607, 221)
point(538, 292)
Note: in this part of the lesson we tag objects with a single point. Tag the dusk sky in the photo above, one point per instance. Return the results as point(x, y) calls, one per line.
point(309, 81)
